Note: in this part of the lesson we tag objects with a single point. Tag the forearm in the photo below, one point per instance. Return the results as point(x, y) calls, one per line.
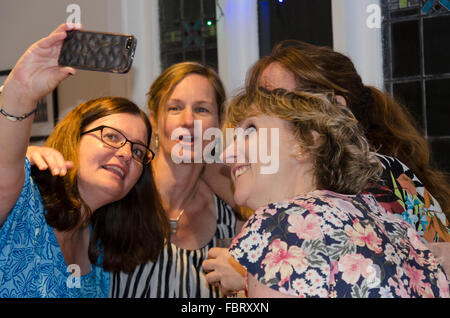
point(35, 75)
point(14, 135)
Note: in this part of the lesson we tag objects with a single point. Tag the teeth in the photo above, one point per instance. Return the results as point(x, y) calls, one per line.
point(241, 170)
point(116, 169)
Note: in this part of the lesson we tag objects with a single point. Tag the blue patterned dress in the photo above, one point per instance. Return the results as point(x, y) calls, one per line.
point(31, 262)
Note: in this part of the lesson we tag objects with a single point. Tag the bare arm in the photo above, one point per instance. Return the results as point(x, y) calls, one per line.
point(35, 75)
point(218, 177)
point(258, 290)
point(441, 252)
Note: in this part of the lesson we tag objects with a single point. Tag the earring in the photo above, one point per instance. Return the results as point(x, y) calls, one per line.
point(156, 142)
point(299, 154)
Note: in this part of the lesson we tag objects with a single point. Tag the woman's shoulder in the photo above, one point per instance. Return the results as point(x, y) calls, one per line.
point(403, 193)
point(394, 168)
point(312, 202)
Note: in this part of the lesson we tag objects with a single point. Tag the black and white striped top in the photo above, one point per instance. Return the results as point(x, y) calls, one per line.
point(178, 273)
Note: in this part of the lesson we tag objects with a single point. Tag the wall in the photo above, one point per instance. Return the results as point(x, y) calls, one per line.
point(237, 41)
point(353, 37)
point(23, 22)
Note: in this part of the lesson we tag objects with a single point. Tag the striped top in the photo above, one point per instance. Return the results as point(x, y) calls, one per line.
point(178, 273)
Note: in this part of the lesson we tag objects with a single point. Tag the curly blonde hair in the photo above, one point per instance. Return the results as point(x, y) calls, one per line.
point(342, 158)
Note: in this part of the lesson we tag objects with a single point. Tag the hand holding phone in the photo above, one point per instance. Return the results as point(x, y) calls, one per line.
point(98, 51)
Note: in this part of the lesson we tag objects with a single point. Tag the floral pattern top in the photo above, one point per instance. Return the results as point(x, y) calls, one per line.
point(31, 262)
point(325, 244)
point(404, 195)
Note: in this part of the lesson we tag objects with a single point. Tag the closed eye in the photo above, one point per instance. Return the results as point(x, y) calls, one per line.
point(250, 130)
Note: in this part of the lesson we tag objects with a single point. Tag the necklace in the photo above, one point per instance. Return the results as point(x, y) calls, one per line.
point(174, 223)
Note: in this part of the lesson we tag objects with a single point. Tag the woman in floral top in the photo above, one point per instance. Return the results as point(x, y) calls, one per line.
point(323, 236)
point(404, 194)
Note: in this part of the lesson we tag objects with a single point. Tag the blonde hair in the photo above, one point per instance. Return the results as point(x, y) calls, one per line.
point(342, 159)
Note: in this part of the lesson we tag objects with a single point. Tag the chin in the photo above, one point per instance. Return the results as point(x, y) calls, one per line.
point(112, 194)
point(241, 199)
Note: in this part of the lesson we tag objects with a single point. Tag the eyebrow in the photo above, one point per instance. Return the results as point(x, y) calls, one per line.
point(195, 103)
point(136, 141)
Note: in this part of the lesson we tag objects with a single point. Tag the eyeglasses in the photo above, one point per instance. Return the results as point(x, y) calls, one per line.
point(114, 138)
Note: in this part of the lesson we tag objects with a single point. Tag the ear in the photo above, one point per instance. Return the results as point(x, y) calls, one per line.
point(317, 137)
point(341, 100)
point(299, 152)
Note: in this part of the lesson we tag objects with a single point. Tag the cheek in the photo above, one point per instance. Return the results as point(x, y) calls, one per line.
point(86, 151)
point(169, 126)
point(135, 173)
point(241, 194)
point(212, 122)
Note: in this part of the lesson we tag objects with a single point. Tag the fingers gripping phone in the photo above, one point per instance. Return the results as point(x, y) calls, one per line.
point(96, 51)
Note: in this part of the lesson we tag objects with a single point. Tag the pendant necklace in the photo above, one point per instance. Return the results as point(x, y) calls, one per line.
point(174, 223)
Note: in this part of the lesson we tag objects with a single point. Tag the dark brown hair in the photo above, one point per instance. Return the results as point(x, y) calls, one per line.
point(128, 232)
point(388, 125)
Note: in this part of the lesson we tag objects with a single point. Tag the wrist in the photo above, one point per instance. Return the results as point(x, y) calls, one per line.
point(13, 95)
point(13, 117)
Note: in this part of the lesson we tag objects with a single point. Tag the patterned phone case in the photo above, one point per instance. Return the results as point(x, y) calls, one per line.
point(95, 51)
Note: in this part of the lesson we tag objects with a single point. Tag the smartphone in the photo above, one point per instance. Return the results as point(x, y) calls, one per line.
point(98, 51)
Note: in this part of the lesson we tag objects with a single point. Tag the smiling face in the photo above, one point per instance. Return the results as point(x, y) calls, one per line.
point(106, 174)
point(193, 98)
point(253, 188)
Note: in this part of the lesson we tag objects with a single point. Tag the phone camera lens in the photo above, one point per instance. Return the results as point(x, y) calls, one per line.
point(129, 42)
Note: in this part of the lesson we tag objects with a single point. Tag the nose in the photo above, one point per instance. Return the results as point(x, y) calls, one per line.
point(231, 154)
point(125, 151)
point(188, 117)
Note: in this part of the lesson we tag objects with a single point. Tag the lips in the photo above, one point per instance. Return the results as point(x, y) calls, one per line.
point(186, 139)
point(237, 171)
point(115, 169)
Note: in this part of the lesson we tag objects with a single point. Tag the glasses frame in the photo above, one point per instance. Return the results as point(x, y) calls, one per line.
point(126, 140)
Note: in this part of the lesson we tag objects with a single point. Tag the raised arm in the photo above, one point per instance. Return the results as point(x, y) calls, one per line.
point(35, 75)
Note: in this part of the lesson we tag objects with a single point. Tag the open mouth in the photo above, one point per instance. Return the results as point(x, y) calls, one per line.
point(240, 171)
point(188, 139)
point(115, 170)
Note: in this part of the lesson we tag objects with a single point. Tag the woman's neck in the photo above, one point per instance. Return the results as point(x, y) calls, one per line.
point(176, 183)
point(300, 182)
